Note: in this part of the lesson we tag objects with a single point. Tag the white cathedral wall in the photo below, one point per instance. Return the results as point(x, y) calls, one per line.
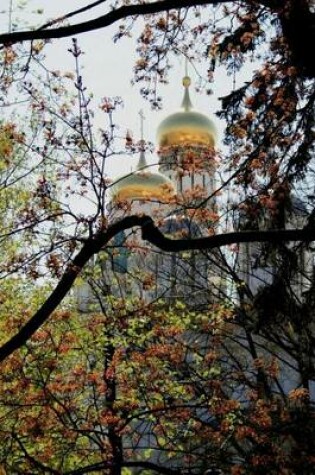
point(251, 271)
point(301, 281)
point(257, 275)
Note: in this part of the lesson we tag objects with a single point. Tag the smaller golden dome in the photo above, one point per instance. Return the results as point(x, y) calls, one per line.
point(143, 185)
point(186, 127)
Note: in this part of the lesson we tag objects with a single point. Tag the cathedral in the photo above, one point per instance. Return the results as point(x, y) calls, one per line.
point(180, 197)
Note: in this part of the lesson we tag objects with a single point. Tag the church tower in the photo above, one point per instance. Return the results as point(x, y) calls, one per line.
point(144, 190)
point(179, 197)
point(186, 141)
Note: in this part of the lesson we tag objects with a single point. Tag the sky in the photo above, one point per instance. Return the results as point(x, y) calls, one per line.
point(108, 72)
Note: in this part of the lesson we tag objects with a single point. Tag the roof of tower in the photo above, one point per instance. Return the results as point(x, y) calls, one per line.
point(143, 185)
point(186, 126)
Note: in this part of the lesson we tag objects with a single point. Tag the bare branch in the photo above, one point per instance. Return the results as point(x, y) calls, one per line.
point(138, 464)
point(153, 235)
point(91, 247)
point(104, 20)
point(297, 26)
point(73, 13)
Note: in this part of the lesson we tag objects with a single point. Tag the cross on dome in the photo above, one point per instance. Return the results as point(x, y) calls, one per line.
point(143, 184)
point(142, 163)
point(142, 119)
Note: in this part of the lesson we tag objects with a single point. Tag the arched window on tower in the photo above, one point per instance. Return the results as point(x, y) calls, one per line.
point(119, 254)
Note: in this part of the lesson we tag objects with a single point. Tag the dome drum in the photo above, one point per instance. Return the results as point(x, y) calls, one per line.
point(198, 159)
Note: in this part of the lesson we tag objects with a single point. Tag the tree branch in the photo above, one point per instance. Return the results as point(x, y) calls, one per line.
point(73, 13)
point(104, 20)
point(152, 466)
point(35, 462)
point(298, 26)
point(91, 247)
point(153, 235)
point(98, 467)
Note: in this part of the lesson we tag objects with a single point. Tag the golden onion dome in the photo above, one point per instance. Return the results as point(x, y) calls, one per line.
point(143, 185)
point(186, 126)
